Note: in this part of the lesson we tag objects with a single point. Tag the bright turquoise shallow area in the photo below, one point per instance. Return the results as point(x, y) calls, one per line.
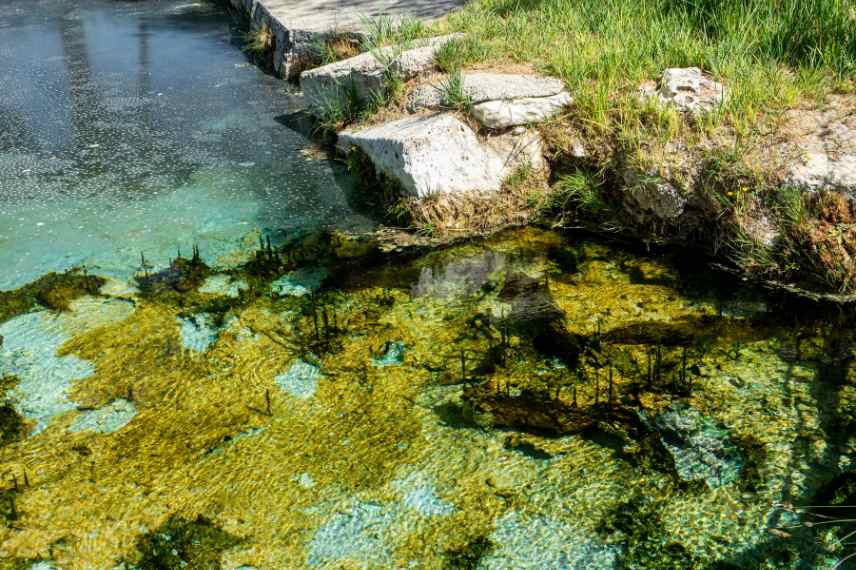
point(129, 127)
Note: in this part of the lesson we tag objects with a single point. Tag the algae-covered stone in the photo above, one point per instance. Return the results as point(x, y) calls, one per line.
point(300, 380)
point(702, 449)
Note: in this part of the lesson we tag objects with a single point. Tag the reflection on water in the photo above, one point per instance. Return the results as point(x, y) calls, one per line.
point(130, 127)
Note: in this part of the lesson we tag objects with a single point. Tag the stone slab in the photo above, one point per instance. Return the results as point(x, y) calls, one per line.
point(440, 154)
point(298, 23)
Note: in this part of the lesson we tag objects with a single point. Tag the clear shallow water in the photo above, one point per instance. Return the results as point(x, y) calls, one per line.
point(533, 400)
point(130, 127)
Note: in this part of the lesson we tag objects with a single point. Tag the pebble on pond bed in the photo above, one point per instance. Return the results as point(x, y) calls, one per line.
point(199, 332)
point(112, 417)
point(300, 380)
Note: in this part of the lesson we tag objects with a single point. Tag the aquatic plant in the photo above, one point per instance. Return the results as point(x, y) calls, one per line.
point(53, 291)
point(181, 276)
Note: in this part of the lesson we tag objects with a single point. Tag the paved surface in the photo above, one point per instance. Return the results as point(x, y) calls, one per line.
point(297, 24)
point(348, 15)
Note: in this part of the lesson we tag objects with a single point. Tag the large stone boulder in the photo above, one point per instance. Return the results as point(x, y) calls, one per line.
point(365, 75)
point(440, 154)
point(687, 88)
point(498, 100)
point(821, 146)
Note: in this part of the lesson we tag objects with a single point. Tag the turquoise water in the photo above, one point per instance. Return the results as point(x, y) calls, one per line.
point(129, 127)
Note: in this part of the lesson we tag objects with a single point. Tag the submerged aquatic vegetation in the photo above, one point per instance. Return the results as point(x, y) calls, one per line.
point(53, 291)
point(342, 411)
point(178, 543)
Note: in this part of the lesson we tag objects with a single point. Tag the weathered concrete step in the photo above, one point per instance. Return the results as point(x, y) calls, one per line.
point(297, 24)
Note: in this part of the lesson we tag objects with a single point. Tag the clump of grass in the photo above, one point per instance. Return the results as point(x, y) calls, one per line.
point(335, 48)
point(459, 53)
point(453, 95)
point(579, 192)
point(259, 41)
point(769, 54)
point(386, 30)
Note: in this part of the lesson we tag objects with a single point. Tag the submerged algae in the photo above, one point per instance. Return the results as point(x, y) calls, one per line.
point(391, 483)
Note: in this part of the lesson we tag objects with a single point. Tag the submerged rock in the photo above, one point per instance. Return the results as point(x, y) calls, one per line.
point(300, 380)
point(702, 449)
point(354, 535)
point(525, 541)
point(440, 154)
point(222, 284)
point(300, 282)
point(198, 332)
point(29, 349)
point(418, 493)
point(112, 417)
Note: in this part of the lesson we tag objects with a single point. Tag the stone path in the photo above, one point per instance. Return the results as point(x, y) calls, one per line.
point(348, 15)
point(297, 23)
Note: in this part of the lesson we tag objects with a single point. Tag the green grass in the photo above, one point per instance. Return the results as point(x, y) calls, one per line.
point(769, 53)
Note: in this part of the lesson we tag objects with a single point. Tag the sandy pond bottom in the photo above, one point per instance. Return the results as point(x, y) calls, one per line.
point(398, 421)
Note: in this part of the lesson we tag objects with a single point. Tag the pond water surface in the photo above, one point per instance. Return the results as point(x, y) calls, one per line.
point(531, 400)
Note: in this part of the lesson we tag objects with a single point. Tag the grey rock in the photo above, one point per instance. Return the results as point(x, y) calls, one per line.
point(299, 25)
point(439, 154)
point(480, 87)
point(702, 449)
point(365, 75)
point(687, 88)
point(651, 198)
point(529, 110)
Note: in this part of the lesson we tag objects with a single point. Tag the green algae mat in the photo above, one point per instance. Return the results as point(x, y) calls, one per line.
point(527, 401)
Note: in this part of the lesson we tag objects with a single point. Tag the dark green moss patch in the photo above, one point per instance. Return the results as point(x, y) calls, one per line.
point(181, 544)
point(53, 291)
point(636, 524)
point(468, 556)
